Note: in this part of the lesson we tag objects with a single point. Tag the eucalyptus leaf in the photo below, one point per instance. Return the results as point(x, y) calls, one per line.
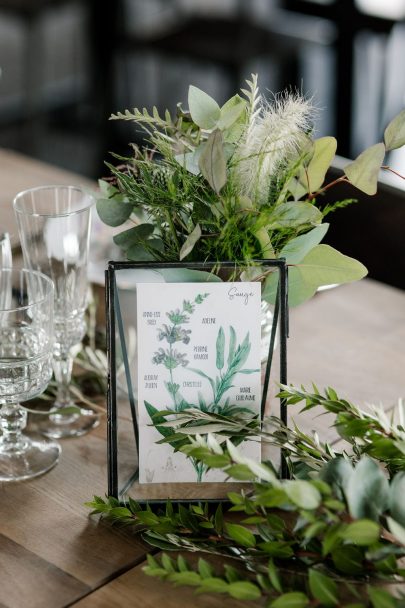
point(323, 265)
point(394, 134)
point(138, 253)
point(294, 214)
point(133, 236)
point(397, 498)
point(212, 161)
point(367, 490)
point(296, 188)
point(204, 110)
point(230, 112)
point(363, 172)
point(113, 212)
point(190, 242)
point(296, 249)
point(190, 160)
point(323, 153)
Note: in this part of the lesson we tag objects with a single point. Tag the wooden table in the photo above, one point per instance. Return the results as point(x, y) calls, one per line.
point(52, 555)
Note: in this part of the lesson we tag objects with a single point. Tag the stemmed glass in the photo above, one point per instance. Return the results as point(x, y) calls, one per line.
point(54, 228)
point(26, 345)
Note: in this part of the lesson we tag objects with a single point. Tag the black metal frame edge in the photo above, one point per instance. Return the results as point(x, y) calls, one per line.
point(281, 310)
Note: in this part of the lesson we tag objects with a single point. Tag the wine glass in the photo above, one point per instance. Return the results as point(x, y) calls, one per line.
point(54, 228)
point(26, 347)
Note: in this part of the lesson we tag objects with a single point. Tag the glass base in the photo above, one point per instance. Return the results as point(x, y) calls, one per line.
point(35, 457)
point(58, 426)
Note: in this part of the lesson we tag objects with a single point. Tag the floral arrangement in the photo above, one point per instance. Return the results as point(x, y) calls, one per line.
point(244, 182)
point(241, 182)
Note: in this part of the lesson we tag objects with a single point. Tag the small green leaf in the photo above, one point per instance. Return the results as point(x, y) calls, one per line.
point(219, 519)
point(296, 249)
point(220, 349)
point(294, 214)
point(293, 599)
point(167, 563)
point(362, 532)
point(190, 242)
point(204, 110)
point(231, 573)
point(230, 112)
point(148, 518)
point(348, 559)
point(240, 472)
point(397, 530)
point(212, 161)
point(113, 212)
point(324, 151)
point(244, 590)
point(274, 577)
point(367, 490)
point(363, 172)
point(182, 565)
point(394, 134)
point(213, 585)
point(133, 235)
point(303, 494)
point(323, 588)
point(205, 569)
point(381, 598)
point(240, 534)
point(323, 265)
point(185, 578)
point(396, 498)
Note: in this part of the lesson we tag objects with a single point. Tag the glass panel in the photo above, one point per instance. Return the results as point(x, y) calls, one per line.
point(181, 341)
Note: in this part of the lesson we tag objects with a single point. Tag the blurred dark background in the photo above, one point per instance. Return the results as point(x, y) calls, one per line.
point(66, 65)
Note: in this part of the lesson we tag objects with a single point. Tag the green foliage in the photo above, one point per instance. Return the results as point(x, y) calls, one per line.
point(264, 546)
point(239, 182)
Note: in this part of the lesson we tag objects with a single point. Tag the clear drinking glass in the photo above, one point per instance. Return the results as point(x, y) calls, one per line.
point(54, 228)
point(26, 348)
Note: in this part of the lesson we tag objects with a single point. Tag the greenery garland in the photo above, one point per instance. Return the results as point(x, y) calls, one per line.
point(335, 538)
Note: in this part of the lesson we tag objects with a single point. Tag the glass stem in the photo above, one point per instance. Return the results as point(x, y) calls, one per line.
point(62, 367)
point(13, 419)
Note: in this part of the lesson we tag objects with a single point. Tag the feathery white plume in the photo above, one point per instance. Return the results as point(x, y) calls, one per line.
point(273, 135)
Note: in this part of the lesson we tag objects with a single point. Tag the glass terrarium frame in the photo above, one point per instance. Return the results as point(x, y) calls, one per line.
point(116, 342)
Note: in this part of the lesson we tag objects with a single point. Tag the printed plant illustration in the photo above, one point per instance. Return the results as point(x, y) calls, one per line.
point(237, 357)
point(171, 358)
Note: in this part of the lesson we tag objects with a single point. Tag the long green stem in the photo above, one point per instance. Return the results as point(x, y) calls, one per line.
point(172, 228)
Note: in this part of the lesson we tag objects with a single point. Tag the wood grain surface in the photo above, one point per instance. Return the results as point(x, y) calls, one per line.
point(52, 555)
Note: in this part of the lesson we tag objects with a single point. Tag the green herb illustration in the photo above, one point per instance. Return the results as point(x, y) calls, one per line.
point(171, 359)
point(237, 357)
point(228, 368)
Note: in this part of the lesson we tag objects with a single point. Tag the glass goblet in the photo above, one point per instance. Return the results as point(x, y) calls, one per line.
point(26, 347)
point(54, 229)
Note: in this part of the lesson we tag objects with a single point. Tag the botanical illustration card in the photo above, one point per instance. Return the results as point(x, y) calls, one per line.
point(198, 346)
